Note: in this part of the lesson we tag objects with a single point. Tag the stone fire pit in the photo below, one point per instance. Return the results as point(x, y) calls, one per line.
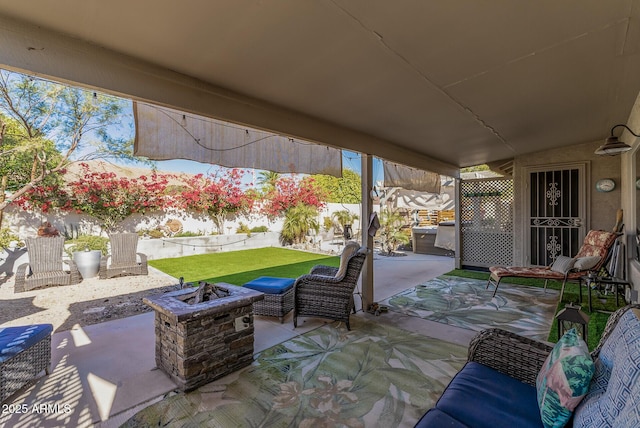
point(197, 343)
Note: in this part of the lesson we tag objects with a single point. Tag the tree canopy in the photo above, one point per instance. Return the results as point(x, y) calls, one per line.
point(43, 125)
point(345, 190)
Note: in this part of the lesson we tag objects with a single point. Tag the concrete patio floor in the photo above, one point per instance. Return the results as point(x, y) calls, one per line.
point(102, 374)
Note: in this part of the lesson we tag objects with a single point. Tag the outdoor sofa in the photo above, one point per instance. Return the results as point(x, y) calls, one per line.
point(497, 385)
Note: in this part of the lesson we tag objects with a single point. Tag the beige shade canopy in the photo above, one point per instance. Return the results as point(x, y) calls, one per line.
point(163, 133)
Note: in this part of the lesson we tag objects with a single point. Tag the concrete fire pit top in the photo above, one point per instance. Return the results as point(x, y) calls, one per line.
point(172, 304)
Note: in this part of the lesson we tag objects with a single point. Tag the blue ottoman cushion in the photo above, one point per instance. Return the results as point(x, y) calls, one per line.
point(270, 284)
point(491, 399)
point(14, 340)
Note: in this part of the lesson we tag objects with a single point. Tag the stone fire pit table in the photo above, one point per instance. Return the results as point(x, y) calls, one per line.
point(198, 343)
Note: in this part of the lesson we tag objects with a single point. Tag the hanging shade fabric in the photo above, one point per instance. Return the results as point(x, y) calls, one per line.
point(163, 133)
point(408, 178)
point(411, 199)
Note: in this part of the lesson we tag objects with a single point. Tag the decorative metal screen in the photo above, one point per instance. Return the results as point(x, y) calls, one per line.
point(486, 223)
point(554, 214)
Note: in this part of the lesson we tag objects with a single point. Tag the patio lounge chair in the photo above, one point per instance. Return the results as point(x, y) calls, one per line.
point(45, 266)
point(327, 292)
point(124, 258)
point(597, 244)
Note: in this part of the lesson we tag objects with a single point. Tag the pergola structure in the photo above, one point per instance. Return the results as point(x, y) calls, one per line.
point(432, 85)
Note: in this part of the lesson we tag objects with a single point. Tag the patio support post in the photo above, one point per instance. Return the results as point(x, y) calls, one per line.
point(367, 210)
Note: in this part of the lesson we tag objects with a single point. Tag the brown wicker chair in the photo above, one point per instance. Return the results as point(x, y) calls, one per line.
point(521, 357)
point(327, 292)
point(124, 258)
point(45, 266)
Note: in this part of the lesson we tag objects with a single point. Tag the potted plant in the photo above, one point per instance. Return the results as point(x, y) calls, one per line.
point(86, 252)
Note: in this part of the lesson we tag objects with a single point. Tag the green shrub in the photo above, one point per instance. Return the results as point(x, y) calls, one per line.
point(151, 233)
point(327, 223)
point(6, 236)
point(87, 242)
point(243, 228)
point(187, 234)
point(259, 229)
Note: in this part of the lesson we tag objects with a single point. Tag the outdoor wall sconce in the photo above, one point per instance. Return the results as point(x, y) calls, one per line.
point(612, 146)
point(572, 317)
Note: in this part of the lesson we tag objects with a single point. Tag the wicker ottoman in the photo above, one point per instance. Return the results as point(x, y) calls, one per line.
point(278, 296)
point(24, 353)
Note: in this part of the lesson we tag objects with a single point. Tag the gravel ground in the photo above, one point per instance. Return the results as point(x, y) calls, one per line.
point(90, 302)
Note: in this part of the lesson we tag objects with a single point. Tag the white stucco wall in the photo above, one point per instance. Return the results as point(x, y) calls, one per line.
point(26, 224)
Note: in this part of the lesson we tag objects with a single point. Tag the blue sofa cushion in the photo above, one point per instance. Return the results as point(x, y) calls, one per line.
point(270, 284)
point(437, 418)
point(14, 340)
point(479, 396)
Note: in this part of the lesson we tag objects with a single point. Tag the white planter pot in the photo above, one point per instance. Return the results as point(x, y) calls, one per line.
point(88, 262)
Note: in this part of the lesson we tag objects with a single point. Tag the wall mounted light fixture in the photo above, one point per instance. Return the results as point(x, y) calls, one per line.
point(612, 146)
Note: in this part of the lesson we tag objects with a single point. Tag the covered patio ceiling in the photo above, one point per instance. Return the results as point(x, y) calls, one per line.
point(431, 84)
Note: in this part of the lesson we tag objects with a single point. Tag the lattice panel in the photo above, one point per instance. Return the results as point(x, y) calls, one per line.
point(486, 224)
point(482, 249)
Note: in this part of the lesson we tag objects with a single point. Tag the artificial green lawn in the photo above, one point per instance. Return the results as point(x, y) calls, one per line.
point(597, 320)
point(239, 267)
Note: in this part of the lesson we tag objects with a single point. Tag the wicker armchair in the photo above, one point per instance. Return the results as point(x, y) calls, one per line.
point(327, 292)
point(520, 357)
point(45, 266)
point(124, 258)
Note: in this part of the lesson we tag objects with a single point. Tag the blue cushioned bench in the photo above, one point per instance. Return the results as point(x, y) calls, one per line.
point(497, 385)
point(278, 296)
point(500, 401)
point(25, 352)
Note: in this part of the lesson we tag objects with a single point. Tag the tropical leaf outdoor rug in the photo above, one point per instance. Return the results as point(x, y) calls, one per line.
point(373, 376)
point(464, 302)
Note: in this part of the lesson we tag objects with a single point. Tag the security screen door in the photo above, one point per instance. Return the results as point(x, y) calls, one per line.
point(556, 212)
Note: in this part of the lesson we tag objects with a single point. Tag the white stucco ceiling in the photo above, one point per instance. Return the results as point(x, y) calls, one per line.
point(461, 81)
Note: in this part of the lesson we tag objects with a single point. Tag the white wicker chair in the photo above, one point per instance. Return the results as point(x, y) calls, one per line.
point(124, 258)
point(45, 267)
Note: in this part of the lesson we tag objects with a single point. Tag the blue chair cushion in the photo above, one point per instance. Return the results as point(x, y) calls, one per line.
point(270, 284)
point(438, 418)
point(482, 397)
point(14, 340)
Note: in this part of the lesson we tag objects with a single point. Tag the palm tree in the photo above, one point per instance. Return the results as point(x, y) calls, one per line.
point(267, 180)
point(298, 221)
point(344, 217)
point(390, 233)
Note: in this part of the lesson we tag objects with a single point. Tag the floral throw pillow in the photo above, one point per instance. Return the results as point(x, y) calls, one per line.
point(564, 379)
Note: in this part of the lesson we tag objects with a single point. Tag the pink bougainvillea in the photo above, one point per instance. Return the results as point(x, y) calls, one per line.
point(289, 192)
point(102, 195)
point(216, 195)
